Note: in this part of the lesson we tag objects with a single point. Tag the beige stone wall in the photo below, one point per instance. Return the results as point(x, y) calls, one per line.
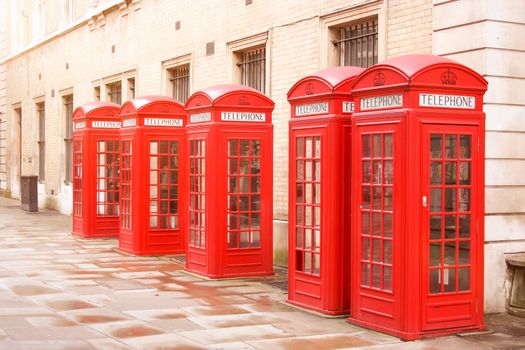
point(143, 39)
point(409, 27)
point(3, 95)
point(488, 37)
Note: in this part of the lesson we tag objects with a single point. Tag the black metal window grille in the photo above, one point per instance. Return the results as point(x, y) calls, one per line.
point(253, 68)
point(357, 44)
point(40, 110)
point(115, 92)
point(68, 106)
point(180, 82)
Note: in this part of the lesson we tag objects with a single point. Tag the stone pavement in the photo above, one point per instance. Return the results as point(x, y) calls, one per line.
point(59, 292)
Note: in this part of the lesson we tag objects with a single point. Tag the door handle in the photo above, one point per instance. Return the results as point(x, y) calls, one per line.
point(424, 201)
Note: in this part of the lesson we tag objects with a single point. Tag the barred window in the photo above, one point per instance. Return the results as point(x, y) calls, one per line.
point(179, 78)
point(41, 112)
point(68, 108)
point(114, 91)
point(357, 44)
point(253, 68)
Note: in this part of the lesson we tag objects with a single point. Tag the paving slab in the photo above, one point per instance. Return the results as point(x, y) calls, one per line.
point(59, 292)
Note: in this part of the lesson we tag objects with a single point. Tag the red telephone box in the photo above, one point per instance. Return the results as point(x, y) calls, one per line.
point(153, 176)
point(96, 137)
point(230, 135)
point(319, 190)
point(417, 208)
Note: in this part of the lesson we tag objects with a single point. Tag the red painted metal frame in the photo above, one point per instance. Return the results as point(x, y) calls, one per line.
point(145, 121)
point(321, 108)
point(409, 311)
point(93, 122)
point(208, 252)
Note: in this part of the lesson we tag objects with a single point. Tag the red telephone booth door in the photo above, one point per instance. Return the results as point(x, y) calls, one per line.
point(450, 226)
point(164, 192)
point(378, 224)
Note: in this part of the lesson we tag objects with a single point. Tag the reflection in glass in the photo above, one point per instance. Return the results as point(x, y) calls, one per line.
point(464, 146)
point(377, 172)
point(245, 166)
point(464, 199)
point(387, 225)
point(317, 240)
point(233, 238)
point(365, 223)
point(376, 276)
point(464, 173)
point(366, 171)
point(450, 173)
point(464, 253)
point(317, 170)
point(450, 199)
point(388, 197)
point(387, 278)
point(464, 226)
point(299, 193)
point(450, 226)
point(256, 239)
point(308, 239)
point(232, 166)
point(450, 254)
point(307, 262)
point(299, 214)
point(233, 147)
point(435, 254)
point(317, 147)
point(435, 281)
point(389, 172)
point(317, 216)
point(435, 173)
point(366, 146)
point(449, 280)
point(300, 147)
point(317, 264)
point(376, 250)
point(256, 148)
point(464, 279)
point(377, 197)
point(365, 274)
point(256, 184)
point(365, 248)
point(300, 170)
point(244, 243)
point(387, 251)
point(376, 139)
point(163, 146)
point(366, 197)
point(435, 200)
point(435, 227)
point(450, 146)
point(244, 202)
point(299, 237)
point(308, 194)
point(376, 224)
point(153, 221)
point(309, 148)
point(244, 150)
point(436, 146)
point(388, 145)
point(308, 170)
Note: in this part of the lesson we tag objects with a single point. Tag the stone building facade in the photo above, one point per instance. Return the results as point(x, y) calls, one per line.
point(59, 54)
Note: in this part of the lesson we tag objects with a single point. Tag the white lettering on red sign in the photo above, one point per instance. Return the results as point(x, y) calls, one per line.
point(163, 122)
point(200, 117)
point(80, 125)
point(129, 122)
point(377, 102)
point(243, 116)
point(311, 109)
point(447, 101)
point(105, 124)
point(348, 107)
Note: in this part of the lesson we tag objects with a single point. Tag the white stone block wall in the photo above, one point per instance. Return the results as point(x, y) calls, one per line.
point(486, 36)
